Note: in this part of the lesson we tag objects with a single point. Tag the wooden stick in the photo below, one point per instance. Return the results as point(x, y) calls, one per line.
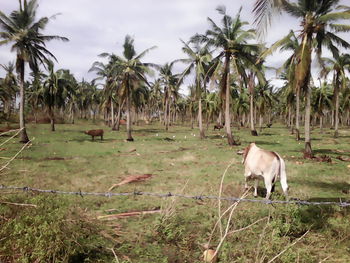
point(127, 214)
point(18, 204)
point(24, 146)
point(284, 250)
point(11, 136)
point(115, 255)
point(246, 227)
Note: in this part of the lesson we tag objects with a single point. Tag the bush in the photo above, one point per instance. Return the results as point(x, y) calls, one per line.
point(52, 232)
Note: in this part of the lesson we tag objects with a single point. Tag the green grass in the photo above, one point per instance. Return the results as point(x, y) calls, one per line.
point(184, 164)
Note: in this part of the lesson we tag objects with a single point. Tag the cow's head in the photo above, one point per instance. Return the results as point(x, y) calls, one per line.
point(246, 151)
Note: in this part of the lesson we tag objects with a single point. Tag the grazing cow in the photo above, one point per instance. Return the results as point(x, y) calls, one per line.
point(218, 127)
point(263, 164)
point(94, 133)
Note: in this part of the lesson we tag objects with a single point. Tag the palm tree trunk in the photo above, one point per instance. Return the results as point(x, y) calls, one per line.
point(23, 134)
point(112, 113)
point(308, 149)
point(230, 139)
point(128, 118)
point(260, 122)
point(297, 118)
point(200, 121)
point(117, 122)
point(336, 114)
point(251, 108)
point(321, 124)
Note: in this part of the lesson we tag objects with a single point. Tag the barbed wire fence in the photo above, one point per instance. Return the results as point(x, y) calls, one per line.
point(169, 194)
point(159, 195)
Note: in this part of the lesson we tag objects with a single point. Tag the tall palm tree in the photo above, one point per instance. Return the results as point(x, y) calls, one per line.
point(56, 90)
point(8, 88)
point(290, 43)
point(170, 83)
point(231, 40)
point(322, 101)
point(198, 59)
point(132, 73)
point(338, 65)
point(319, 29)
point(23, 30)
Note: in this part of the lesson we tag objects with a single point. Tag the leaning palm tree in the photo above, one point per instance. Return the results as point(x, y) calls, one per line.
point(198, 59)
point(231, 40)
point(338, 65)
point(22, 29)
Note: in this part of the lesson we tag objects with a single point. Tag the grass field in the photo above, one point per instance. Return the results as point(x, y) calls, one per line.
point(180, 163)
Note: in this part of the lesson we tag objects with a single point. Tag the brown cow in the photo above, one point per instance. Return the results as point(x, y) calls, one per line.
point(94, 133)
point(218, 127)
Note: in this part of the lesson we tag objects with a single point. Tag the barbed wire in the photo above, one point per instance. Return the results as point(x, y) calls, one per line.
point(169, 194)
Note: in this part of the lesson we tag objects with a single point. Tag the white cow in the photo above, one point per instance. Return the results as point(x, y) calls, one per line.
point(267, 165)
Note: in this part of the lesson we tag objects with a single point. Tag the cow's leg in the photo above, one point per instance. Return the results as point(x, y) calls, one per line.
point(93, 138)
point(256, 184)
point(268, 185)
point(101, 137)
point(247, 175)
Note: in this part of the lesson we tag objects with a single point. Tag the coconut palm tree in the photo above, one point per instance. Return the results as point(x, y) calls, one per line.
point(23, 30)
point(132, 74)
point(56, 90)
point(231, 41)
point(8, 88)
point(322, 101)
point(170, 82)
point(338, 65)
point(318, 30)
point(198, 59)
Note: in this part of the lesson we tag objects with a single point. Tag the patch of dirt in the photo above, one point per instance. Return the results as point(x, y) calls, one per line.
point(55, 159)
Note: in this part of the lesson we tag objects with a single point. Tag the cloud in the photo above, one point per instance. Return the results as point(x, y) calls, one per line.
point(100, 26)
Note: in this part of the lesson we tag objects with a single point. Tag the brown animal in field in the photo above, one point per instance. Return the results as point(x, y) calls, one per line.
point(218, 127)
point(122, 122)
point(94, 133)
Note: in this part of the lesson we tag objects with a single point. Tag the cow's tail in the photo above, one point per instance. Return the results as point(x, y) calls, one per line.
point(283, 177)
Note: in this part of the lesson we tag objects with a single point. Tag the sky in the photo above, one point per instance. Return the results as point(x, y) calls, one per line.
point(94, 27)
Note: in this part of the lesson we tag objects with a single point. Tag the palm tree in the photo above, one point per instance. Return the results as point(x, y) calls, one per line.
point(199, 57)
point(56, 90)
point(170, 82)
point(322, 101)
point(338, 66)
point(22, 29)
point(231, 41)
point(318, 30)
point(132, 73)
point(8, 88)
point(290, 43)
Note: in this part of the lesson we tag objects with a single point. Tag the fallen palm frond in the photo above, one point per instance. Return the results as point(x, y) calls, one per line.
point(128, 214)
point(130, 179)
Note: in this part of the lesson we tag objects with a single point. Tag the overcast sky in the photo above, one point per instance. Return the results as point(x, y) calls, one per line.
point(100, 26)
